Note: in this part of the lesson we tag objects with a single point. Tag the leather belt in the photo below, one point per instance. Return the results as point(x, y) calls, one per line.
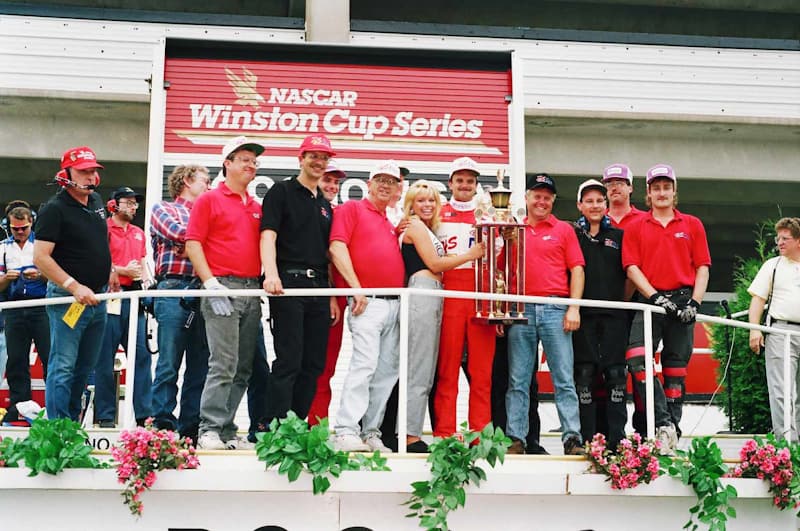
point(174, 276)
point(782, 321)
point(308, 273)
point(384, 297)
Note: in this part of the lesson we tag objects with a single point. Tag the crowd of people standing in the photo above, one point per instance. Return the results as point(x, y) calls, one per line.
point(221, 239)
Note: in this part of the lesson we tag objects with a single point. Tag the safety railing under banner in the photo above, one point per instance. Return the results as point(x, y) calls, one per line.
point(129, 421)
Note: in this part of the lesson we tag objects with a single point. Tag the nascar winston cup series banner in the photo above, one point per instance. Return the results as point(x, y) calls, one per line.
point(368, 112)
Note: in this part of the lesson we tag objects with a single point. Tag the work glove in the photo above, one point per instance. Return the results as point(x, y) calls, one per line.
point(219, 305)
point(688, 313)
point(662, 301)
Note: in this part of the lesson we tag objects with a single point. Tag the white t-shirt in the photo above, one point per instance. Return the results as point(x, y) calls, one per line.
point(785, 304)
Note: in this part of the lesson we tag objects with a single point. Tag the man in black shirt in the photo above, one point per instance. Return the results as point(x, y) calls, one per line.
point(295, 227)
point(71, 250)
point(599, 344)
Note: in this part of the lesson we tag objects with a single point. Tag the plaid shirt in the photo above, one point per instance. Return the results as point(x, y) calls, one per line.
point(168, 237)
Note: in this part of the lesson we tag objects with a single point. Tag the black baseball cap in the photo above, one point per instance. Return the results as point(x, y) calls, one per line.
point(540, 180)
point(126, 191)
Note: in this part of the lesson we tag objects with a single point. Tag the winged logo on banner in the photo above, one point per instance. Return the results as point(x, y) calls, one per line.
point(244, 87)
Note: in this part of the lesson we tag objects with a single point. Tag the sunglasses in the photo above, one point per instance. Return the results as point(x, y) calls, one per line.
point(20, 228)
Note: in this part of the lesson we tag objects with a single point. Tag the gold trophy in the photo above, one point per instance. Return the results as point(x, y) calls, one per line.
point(494, 272)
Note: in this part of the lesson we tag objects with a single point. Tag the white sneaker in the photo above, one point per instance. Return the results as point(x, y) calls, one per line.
point(375, 444)
point(348, 442)
point(668, 437)
point(210, 441)
point(239, 443)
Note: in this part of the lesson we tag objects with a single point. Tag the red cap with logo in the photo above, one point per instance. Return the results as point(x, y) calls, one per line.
point(317, 143)
point(80, 158)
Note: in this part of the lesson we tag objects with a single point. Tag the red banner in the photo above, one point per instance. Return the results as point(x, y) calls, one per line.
point(369, 112)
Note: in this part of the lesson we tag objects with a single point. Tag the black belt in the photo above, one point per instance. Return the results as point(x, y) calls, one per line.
point(782, 321)
point(175, 276)
point(384, 297)
point(307, 273)
point(679, 291)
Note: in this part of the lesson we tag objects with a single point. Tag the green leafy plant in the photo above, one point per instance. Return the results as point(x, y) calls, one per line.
point(51, 446)
point(453, 465)
point(749, 404)
point(701, 468)
point(293, 448)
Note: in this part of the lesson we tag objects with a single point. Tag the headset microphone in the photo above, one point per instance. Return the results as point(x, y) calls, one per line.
point(62, 178)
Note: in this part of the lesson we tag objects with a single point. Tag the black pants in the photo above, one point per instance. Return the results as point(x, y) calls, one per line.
point(300, 336)
point(257, 386)
point(599, 347)
point(24, 325)
point(678, 341)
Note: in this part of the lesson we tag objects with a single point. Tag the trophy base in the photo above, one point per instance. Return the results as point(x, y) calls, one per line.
point(500, 319)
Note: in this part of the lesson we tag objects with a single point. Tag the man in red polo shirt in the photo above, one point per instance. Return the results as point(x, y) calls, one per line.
point(365, 250)
point(618, 180)
point(666, 257)
point(127, 243)
point(222, 243)
point(553, 268)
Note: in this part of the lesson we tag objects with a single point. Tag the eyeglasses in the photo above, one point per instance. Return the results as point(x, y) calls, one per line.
point(781, 239)
point(247, 161)
point(385, 180)
point(616, 182)
point(132, 204)
point(20, 228)
point(318, 156)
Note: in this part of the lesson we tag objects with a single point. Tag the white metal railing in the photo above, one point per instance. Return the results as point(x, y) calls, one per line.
point(128, 418)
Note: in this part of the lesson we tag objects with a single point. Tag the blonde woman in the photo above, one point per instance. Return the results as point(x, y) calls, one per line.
point(423, 256)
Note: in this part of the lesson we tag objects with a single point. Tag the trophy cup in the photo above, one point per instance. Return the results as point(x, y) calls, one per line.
point(493, 274)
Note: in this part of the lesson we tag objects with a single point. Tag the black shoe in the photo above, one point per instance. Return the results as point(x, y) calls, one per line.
point(106, 424)
point(573, 446)
point(417, 447)
point(536, 449)
point(390, 441)
point(516, 447)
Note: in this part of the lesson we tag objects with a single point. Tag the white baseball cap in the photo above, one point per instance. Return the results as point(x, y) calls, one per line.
point(590, 184)
point(464, 163)
point(386, 167)
point(241, 142)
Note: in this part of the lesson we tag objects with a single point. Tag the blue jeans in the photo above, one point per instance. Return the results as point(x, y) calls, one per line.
point(546, 324)
point(116, 334)
point(175, 339)
point(73, 355)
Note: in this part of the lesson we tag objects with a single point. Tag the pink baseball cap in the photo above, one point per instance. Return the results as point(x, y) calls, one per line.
point(618, 171)
point(660, 171)
point(333, 168)
point(317, 143)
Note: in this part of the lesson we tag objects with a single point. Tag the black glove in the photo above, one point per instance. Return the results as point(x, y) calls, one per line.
point(662, 301)
point(688, 313)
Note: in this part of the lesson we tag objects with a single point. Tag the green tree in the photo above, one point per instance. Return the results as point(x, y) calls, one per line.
point(748, 381)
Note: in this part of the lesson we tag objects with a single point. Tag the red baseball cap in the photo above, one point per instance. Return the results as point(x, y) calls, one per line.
point(317, 143)
point(80, 158)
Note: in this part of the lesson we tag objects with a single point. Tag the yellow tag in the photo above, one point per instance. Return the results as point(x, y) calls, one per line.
point(114, 306)
point(73, 313)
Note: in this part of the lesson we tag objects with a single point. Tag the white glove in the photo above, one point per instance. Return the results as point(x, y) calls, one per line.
point(219, 305)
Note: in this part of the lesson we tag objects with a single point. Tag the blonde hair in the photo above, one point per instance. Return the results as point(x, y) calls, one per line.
point(423, 187)
point(175, 184)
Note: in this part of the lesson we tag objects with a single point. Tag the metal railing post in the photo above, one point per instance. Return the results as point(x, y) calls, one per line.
point(128, 417)
point(788, 386)
point(402, 397)
point(649, 372)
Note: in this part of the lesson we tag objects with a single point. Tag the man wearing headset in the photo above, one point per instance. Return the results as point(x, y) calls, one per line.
point(71, 250)
point(23, 281)
point(127, 243)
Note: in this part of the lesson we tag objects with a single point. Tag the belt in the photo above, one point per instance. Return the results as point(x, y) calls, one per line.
point(782, 321)
point(384, 297)
point(677, 291)
point(308, 273)
point(174, 276)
